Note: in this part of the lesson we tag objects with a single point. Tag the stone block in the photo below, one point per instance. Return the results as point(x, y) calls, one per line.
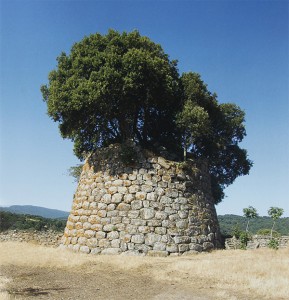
point(151, 196)
point(115, 243)
point(82, 240)
point(159, 246)
point(132, 214)
point(100, 235)
point(164, 163)
point(96, 227)
point(182, 239)
point(131, 229)
point(111, 251)
point(95, 251)
point(172, 248)
point(120, 227)
point(136, 204)
point(108, 227)
point(106, 198)
point(104, 243)
point(154, 223)
point(122, 190)
point(102, 213)
point(92, 242)
point(111, 207)
point(118, 182)
point(116, 198)
point(183, 247)
point(147, 213)
point(124, 207)
point(141, 248)
point(208, 246)
point(144, 229)
point(140, 195)
point(138, 222)
point(137, 239)
point(89, 233)
point(78, 225)
point(161, 215)
point(128, 198)
point(152, 238)
point(195, 247)
point(133, 189)
point(147, 188)
point(160, 230)
point(101, 206)
point(182, 224)
point(112, 189)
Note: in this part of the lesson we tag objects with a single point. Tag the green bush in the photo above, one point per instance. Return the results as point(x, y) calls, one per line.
point(267, 231)
point(244, 239)
point(273, 244)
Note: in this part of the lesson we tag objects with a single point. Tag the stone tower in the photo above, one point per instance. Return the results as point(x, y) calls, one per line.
point(149, 206)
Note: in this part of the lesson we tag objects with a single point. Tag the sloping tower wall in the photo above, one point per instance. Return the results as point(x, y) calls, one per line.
point(151, 206)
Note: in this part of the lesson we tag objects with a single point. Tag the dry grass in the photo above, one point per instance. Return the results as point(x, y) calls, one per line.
point(236, 274)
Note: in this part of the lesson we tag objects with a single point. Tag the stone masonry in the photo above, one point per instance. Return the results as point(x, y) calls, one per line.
point(151, 206)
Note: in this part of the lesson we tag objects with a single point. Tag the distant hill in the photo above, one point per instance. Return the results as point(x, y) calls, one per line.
point(36, 211)
point(9, 220)
point(228, 222)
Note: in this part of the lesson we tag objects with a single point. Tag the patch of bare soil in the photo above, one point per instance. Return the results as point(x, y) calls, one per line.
point(92, 282)
point(35, 272)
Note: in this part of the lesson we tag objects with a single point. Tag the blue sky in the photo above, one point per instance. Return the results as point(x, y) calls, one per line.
point(240, 48)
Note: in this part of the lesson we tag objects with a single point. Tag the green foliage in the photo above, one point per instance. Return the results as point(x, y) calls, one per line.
point(128, 154)
point(117, 87)
point(266, 231)
point(250, 213)
point(275, 213)
point(236, 231)
point(27, 222)
point(273, 244)
point(213, 131)
point(112, 88)
point(244, 239)
point(228, 222)
point(75, 172)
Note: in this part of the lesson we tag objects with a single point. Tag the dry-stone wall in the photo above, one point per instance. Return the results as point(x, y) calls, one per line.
point(44, 238)
point(257, 241)
point(152, 207)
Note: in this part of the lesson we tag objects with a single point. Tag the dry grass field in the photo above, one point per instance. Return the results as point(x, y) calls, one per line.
point(35, 272)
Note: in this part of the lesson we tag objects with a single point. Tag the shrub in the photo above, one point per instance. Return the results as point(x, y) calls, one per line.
point(273, 244)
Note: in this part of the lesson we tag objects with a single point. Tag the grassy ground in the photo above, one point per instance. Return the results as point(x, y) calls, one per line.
point(31, 271)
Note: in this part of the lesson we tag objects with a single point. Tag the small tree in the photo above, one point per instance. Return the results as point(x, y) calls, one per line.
point(250, 213)
point(275, 213)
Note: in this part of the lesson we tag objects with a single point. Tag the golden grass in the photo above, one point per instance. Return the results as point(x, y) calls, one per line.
point(254, 274)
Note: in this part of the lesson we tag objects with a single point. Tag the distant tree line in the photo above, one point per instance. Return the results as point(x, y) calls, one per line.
point(28, 222)
point(230, 223)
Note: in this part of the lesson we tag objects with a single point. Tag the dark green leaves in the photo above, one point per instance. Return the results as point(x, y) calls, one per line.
point(123, 87)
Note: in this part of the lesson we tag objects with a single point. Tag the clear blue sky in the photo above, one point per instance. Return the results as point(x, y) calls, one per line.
point(239, 47)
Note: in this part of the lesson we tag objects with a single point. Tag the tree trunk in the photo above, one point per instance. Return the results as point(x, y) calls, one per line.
point(272, 229)
point(247, 226)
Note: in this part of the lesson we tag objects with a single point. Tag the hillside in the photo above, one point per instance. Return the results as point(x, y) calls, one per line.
point(10, 220)
point(36, 211)
point(229, 222)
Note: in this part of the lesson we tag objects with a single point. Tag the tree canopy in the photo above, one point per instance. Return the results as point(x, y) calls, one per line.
point(123, 87)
